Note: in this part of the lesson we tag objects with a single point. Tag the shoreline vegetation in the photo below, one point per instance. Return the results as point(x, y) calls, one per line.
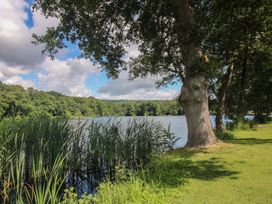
point(51, 160)
point(41, 156)
point(17, 101)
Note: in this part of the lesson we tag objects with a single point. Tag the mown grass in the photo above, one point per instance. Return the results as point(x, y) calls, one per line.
point(236, 171)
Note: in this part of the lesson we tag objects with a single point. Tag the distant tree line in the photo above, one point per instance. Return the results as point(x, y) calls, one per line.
point(17, 101)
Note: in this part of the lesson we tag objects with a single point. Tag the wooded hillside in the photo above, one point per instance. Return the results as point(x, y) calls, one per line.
point(15, 100)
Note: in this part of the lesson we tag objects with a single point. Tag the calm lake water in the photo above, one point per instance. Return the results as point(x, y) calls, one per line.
point(177, 124)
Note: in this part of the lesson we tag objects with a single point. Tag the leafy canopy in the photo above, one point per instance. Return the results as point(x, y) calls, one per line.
point(103, 30)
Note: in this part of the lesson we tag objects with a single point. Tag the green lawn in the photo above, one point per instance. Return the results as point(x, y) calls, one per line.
point(236, 171)
point(239, 171)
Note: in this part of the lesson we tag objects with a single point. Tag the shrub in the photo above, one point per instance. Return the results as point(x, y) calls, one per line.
point(133, 191)
point(246, 125)
point(224, 135)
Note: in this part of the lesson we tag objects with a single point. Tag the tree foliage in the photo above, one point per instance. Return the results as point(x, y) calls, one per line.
point(239, 37)
point(103, 29)
point(15, 100)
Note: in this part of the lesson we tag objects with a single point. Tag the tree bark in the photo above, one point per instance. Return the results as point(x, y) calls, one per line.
point(194, 98)
point(194, 94)
point(221, 99)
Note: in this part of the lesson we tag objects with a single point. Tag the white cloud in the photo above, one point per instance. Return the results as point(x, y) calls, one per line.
point(124, 86)
point(67, 77)
point(142, 94)
point(40, 23)
point(8, 71)
point(16, 37)
point(10, 75)
point(19, 81)
point(19, 56)
point(137, 89)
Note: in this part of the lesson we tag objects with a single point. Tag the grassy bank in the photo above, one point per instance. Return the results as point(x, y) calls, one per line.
point(41, 157)
point(236, 171)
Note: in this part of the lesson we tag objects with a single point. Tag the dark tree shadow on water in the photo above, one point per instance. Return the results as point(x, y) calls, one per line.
point(176, 172)
point(249, 141)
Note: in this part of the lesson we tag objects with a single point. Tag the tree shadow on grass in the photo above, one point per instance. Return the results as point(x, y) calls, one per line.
point(176, 172)
point(249, 141)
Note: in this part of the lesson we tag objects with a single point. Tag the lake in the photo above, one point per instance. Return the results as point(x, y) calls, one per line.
point(177, 124)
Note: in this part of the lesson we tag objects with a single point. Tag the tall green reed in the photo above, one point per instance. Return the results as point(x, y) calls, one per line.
point(101, 147)
point(44, 155)
point(47, 183)
point(35, 144)
point(45, 186)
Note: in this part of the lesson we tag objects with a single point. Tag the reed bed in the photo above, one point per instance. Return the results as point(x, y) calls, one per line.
point(41, 156)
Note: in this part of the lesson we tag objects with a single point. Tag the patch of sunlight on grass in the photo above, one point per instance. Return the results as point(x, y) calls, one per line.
point(249, 156)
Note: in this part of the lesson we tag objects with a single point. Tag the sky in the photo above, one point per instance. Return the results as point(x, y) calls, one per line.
point(22, 63)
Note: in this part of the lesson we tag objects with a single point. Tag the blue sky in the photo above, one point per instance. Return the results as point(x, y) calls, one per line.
point(22, 63)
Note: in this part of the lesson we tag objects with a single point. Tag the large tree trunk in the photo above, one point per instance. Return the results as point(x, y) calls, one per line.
point(194, 94)
point(194, 98)
point(221, 99)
